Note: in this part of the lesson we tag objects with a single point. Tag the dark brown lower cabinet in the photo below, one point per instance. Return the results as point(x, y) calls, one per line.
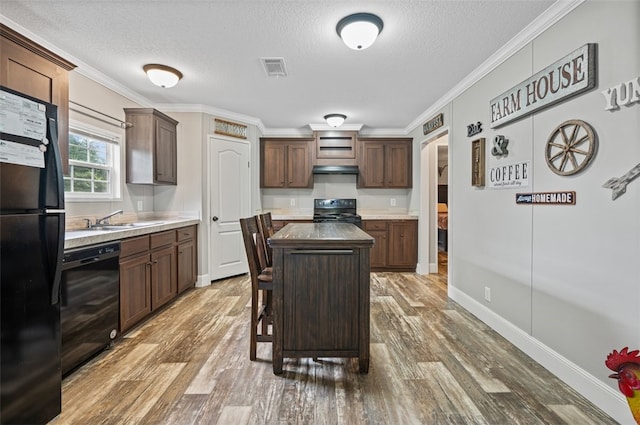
point(396, 244)
point(164, 280)
point(331, 279)
point(135, 289)
point(187, 258)
point(154, 269)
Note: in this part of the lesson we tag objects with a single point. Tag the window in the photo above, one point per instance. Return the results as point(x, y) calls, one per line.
point(94, 164)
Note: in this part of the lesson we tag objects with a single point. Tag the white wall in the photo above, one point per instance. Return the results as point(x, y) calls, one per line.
point(89, 93)
point(565, 280)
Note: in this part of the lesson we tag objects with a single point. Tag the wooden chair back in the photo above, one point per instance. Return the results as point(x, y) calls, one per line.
point(266, 230)
point(261, 284)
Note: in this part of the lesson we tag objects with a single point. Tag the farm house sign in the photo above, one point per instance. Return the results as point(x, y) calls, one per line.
point(571, 75)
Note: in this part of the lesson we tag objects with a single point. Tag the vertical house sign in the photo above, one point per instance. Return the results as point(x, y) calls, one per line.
point(571, 75)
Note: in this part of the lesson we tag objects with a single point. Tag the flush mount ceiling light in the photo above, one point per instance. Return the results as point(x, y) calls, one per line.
point(360, 30)
point(162, 75)
point(335, 120)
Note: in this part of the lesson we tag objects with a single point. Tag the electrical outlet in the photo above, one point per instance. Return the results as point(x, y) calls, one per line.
point(393, 202)
point(140, 205)
point(292, 202)
point(487, 293)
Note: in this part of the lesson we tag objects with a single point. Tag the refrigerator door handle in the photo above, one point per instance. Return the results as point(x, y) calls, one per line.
point(57, 275)
point(59, 182)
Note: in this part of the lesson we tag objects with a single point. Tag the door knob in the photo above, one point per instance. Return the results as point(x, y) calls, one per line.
point(214, 218)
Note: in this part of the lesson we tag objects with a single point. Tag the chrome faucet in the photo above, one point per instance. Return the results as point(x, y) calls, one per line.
point(105, 219)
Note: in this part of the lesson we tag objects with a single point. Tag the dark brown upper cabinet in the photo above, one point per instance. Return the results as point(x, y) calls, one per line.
point(151, 147)
point(385, 162)
point(286, 162)
point(33, 70)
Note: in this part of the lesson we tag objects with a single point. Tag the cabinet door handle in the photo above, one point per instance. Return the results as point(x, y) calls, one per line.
point(215, 218)
point(155, 261)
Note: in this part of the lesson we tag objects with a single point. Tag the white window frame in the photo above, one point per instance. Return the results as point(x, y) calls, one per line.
point(115, 141)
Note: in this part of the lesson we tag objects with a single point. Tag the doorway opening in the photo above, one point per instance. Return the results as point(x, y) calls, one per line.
point(442, 190)
point(434, 203)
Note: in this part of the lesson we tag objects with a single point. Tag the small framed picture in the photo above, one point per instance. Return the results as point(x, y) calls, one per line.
point(477, 162)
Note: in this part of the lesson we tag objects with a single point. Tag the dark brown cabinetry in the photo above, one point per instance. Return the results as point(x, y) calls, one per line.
point(151, 147)
point(378, 230)
point(385, 163)
point(335, 147)
point(135, 281)
point(396, 244)
point(154, 269)
point(187, 258)
point(164, 277)
point(286, 163)
point(35, 71)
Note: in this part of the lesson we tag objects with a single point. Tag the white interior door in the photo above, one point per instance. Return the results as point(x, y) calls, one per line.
point(230, 200)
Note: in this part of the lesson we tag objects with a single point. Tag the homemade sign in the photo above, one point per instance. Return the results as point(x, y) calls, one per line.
point(623, 94)
point(547, 198)
point(229, 128)
point(473, 129)
point(570, 147)
point(500, 144)
point(433, 123)
point(509, 175)
point(571, 75)
point(619, 184)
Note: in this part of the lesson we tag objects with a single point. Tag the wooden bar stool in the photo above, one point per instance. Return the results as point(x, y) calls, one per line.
point(261, 284)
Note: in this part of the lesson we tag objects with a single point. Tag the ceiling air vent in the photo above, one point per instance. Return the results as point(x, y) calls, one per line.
point(274, 67)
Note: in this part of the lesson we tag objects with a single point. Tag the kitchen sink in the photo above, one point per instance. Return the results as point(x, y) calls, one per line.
point(76, 233)
point(124, 226)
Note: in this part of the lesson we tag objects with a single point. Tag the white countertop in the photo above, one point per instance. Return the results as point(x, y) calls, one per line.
point(78, 238)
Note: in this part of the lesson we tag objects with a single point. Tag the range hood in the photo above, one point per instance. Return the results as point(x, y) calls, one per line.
point(336, 169)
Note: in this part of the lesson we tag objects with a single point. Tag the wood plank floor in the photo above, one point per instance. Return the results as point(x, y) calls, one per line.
point(431, 363)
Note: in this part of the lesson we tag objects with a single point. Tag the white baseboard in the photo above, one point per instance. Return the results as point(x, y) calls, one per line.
point(203, 280)
point(433, 268)
point(593, 389)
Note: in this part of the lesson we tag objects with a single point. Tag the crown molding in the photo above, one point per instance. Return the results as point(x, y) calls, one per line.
point(287, 132)
point(387, 132)
point(206, 109)
point(553, 14)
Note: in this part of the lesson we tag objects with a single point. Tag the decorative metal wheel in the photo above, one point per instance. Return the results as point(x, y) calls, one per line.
point(570, 147)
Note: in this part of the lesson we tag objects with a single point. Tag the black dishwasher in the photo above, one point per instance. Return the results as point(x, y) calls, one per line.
point(89, 302)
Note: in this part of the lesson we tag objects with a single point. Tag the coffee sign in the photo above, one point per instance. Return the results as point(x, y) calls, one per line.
point(571, 75)
point(509, 175)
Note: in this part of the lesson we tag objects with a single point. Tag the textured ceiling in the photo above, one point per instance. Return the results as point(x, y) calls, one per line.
point(424, 50)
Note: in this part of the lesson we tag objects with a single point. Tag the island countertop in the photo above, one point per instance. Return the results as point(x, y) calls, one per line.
point(320, 234)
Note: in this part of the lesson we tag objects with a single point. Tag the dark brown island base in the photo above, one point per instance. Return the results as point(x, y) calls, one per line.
point(321, 301)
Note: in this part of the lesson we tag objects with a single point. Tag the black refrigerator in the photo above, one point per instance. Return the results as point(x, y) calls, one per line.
point(31, 250)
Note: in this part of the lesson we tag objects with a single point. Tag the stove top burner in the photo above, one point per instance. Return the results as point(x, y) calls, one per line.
point(336, 211)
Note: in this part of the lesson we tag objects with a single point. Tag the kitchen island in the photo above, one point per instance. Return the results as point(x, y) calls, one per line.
point(321, 291)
